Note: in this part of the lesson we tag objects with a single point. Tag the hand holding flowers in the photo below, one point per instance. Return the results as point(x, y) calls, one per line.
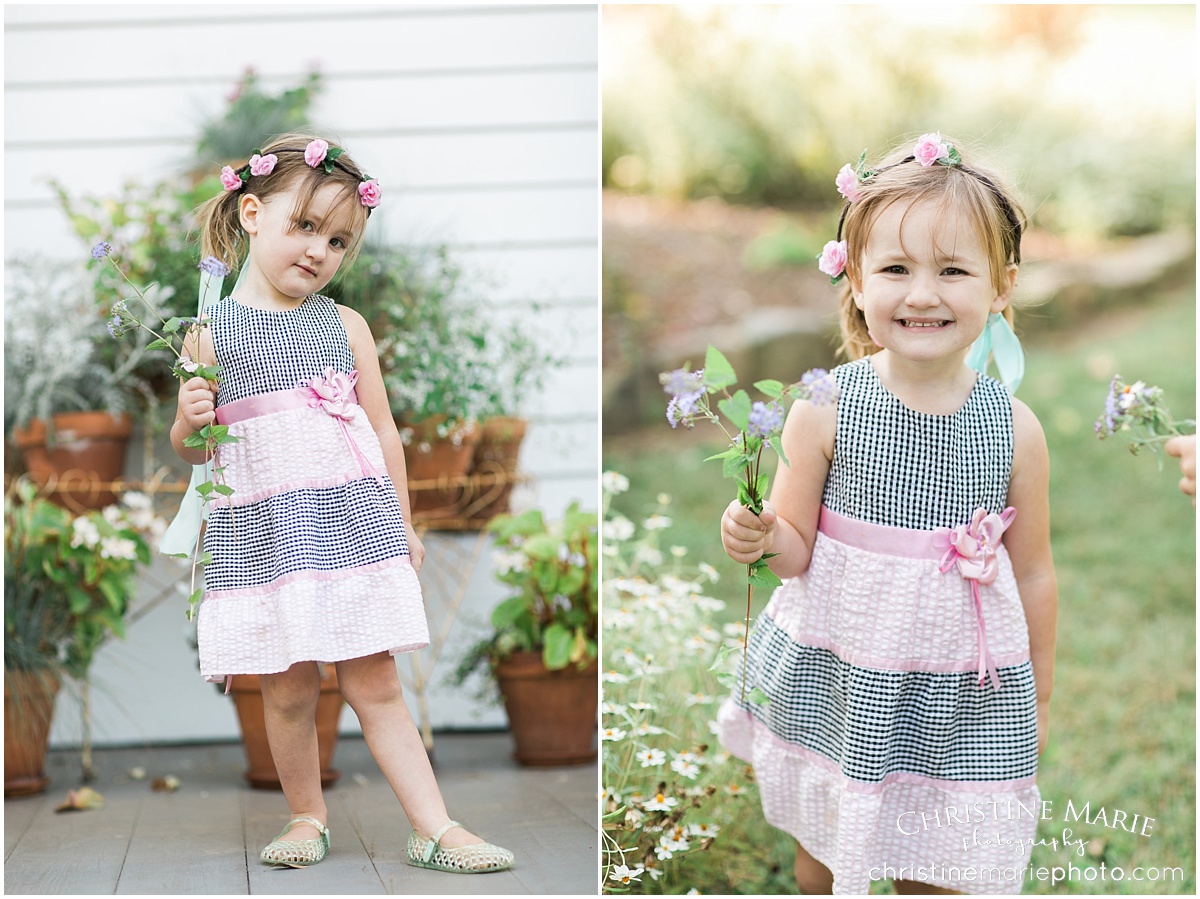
point(752, 427)
point(177, 335)
point(1138, 410)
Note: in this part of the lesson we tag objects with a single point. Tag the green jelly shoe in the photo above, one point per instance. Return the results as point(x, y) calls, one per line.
point(477, 859)
point(297, 853)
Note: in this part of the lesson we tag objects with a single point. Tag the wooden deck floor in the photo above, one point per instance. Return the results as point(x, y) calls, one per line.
point(205, 837)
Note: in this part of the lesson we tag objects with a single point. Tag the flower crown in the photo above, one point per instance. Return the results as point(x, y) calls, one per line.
point(317, 153)
point(930, 150)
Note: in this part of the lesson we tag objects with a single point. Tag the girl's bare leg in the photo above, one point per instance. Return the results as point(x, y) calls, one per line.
point(290, 704)
point(372, 688)
point(812, 877)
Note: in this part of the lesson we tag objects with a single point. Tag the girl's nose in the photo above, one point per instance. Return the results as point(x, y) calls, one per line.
point(315, 250)
point(922, 292)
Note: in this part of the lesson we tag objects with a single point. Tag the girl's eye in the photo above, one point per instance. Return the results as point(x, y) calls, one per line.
point(337, 243)
point(305, 226)
point(953, 271)
point(895, 270)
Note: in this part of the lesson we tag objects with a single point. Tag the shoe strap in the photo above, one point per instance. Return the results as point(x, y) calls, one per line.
point(432, 845)
point(306, 819)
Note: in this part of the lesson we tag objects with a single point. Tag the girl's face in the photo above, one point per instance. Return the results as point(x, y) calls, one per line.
point(294, 257)
point(926, 285)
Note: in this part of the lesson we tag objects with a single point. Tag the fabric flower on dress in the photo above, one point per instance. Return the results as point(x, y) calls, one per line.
point(333, 393)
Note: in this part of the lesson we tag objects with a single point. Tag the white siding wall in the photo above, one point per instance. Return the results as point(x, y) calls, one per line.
point(481, 123)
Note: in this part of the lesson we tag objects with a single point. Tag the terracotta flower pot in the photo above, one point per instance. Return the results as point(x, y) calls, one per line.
point(88, 448)
point(551, 714)
point(28, 708)
point(496, 453)
point(430, 457)
point(247, 697)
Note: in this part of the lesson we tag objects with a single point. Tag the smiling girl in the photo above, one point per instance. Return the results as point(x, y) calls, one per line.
point(908, 658)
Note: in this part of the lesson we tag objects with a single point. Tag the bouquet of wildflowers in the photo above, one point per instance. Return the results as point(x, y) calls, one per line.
point(176, 334)
point(751, 426)
point(1138, 410)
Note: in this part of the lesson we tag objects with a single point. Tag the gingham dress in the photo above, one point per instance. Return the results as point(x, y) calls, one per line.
point(879, 749)
point(309, 556)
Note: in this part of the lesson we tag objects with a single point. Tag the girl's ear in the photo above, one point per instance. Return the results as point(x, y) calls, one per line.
point(1000, 303)
point(855, 291)
point(249, 207)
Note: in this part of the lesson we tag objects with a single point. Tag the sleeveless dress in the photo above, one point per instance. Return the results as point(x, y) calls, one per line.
point(899, 739)
point(309, 556)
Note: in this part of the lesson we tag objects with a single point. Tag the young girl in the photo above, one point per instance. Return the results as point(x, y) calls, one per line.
point(313, 555)
point(908, 658)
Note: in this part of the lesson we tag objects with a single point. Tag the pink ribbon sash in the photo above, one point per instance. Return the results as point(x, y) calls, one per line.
point(971, 548)
point(334, 395)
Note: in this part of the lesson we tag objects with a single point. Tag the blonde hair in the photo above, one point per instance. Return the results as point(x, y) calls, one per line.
point(987, 202)
point(221, 233)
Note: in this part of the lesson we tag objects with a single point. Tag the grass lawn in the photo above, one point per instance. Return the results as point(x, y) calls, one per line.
point(1123, 714)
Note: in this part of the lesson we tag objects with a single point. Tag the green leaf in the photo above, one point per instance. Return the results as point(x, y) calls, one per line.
point(557, 650)
point(172, 326)
point(507, 612)
point(195, 441)
point(771, 388)
point(777, 445)
point(735, 464)
point(758, 697)
point(223, 489)
point(737, 409)
point(732, 452)
point(158, 344)
point(718, 373)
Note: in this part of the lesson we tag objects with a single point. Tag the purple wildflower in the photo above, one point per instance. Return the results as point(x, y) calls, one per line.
point(822, 388)
point(765, 419)
point(121, 321)
point(100, 250)
point(686, 388)
point(211, 265)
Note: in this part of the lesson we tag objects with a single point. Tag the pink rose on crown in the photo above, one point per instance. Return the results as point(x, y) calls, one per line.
point(314, 153)
point(263, 165)
point(230, 179)
point(369, 193)
point(930, 148)
point(847, 183)
point(832, 260)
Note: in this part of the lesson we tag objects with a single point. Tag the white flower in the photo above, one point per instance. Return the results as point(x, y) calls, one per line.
point(623, 874)
point(664, 499)
point(84, 533)
point(698, 699)
point(649, 555)
point(660, 803)
point(618, 528)
point(642, 706)
point(613, 733)
point(114, 516)
point(709, 571)
point(614, 483)
point(508, 561)
point(685, 769)
point(612, 708)
point(621, 618)
point(613, 677)
point(135, 499)
point(678, 551)
point(656, 522)
point(702, 830)
point(118, 548)
point(648, 730)
point(651, 758)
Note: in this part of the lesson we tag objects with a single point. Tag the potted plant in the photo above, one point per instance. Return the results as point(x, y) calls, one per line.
point(68, 580)
point(68, 398)
point(518, 365)
point(543, 647)
point(432, 355)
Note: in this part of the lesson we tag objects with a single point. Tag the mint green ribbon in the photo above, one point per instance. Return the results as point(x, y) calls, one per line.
point(184, 529)
point(999, 342)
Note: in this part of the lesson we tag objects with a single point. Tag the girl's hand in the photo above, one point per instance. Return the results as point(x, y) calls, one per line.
point(416, 550)
point(747, 536)
point(1043, 723)
point(197, 403)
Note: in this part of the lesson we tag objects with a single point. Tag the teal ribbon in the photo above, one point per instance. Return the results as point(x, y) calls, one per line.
point(184, 529)
point(999, 342)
